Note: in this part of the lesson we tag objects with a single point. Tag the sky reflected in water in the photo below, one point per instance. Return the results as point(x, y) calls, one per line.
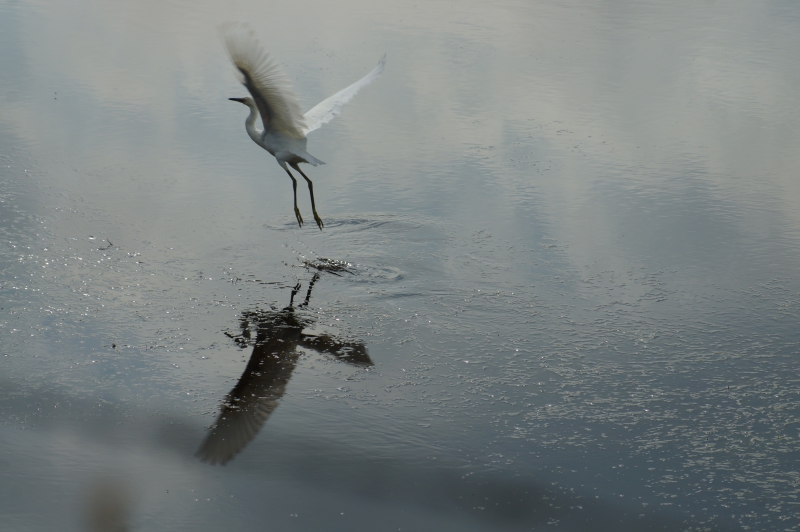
point(556, 288)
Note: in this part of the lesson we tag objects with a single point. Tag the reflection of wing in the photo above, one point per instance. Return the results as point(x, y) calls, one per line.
point(331, 107)
point(250, 403)
point(236, 426)
point(354, 353)
point(264, 78)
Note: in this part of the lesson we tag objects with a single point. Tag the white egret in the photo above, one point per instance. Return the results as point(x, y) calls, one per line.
point(285, 126)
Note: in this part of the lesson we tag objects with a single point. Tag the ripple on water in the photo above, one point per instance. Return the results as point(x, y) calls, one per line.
point(390, 223)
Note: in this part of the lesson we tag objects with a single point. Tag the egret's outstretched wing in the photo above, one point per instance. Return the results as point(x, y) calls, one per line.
point(266, 81)
point(327, 109)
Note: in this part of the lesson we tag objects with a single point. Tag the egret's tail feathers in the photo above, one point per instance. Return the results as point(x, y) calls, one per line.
point(310, 159)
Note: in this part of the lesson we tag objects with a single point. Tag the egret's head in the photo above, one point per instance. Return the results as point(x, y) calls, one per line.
point(247, 101)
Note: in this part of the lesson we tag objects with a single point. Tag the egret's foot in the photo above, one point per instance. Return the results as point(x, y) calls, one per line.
point(299, 218)
point(318, 220)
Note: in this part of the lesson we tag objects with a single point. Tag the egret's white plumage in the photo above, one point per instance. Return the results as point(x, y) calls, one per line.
point(284, 125)
point(331, 107)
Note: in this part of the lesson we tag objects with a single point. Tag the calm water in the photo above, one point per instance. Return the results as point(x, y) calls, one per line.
point(557, 287)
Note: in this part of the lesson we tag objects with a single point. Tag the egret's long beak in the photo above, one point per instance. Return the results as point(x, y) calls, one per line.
point(240, 100)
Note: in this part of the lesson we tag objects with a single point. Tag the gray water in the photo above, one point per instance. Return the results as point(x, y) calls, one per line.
point(556, 289)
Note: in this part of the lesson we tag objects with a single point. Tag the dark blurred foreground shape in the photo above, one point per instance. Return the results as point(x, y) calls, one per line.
point(108, 505)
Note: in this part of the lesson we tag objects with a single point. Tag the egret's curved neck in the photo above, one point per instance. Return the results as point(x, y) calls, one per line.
point(250, 125)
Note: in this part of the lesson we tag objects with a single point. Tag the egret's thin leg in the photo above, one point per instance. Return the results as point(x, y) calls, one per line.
point(311, 190)
point(294, 188)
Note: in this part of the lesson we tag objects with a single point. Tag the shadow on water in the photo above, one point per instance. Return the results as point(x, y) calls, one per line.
point(275, 336)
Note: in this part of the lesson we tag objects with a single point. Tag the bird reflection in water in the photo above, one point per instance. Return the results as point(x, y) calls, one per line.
point(275, 336)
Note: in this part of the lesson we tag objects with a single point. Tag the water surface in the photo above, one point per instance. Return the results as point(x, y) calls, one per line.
point(565, 241)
